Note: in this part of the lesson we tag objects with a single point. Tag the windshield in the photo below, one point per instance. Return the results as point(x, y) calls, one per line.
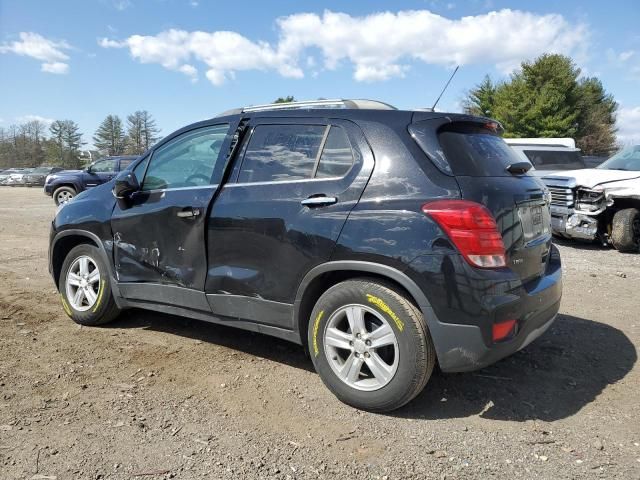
point(41, 170)
point(627, 159)
point(555, 159)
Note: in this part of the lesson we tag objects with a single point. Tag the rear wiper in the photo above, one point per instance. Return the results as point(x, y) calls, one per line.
point(519, 168)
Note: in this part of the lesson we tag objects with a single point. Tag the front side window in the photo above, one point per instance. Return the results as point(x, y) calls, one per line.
point(186, 161)
point(281, 152)
point(104, 166)
point(337, 157)
point(125, 162)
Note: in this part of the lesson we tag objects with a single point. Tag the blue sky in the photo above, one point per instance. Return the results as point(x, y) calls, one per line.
point(185, 60)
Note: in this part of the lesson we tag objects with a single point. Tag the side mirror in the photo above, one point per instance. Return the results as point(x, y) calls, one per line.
point(126, 184)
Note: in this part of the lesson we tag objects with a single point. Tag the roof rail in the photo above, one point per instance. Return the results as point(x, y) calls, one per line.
point(358, 104)
point(334, 103)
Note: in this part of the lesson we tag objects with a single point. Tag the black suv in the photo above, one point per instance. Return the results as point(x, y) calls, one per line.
point(381, 240)
point(65, 185)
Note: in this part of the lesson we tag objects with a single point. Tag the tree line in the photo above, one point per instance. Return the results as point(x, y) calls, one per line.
point(549, 98)
point(35, 143)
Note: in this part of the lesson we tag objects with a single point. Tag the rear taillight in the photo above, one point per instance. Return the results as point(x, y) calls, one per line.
point(472, 229)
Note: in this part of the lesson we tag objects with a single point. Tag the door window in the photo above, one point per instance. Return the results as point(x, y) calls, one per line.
point(186, 161)
point(125, 162)
point(337, 157)
point(281, 152)
point(104, 166)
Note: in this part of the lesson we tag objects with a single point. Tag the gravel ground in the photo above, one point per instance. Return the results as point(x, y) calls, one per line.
point(156, 396)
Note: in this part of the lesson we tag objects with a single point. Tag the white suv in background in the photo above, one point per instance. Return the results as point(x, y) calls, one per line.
point(548, 155)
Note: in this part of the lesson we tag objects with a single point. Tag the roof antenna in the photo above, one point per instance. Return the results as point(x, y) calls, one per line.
point(433, 109)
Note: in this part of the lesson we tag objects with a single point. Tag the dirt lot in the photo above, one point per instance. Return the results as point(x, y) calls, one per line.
point(166, 397)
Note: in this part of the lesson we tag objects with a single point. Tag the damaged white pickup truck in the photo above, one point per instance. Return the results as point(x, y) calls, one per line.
point(600, 203)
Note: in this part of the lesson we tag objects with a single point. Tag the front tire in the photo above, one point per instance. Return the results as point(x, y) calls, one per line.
point(370, 345)
point(85, 287)
point(63, 195)
point(625, 232)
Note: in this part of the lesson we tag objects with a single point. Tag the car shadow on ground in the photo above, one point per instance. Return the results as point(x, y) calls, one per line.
point(551, 379)
point(251, 343)
point(581, 244)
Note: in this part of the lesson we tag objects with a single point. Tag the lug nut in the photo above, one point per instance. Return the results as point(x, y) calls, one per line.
point(351, 343)
point(358, 335)
point(368, 343)
point(357, 355)
point(366, 355)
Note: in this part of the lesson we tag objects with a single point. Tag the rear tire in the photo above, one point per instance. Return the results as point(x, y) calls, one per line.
point(625, 232)
point(63, 195)
point(370, 345)
point(85, 287)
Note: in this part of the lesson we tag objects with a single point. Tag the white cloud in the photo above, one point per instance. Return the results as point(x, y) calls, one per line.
point(31, 118)
point(107, 43)
point(121, 5)
point(55, 67)
point(378, 46)
point(624, 56)
point(629, 125)
point(34, 45)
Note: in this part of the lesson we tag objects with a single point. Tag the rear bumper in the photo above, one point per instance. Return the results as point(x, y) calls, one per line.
point(466, 347)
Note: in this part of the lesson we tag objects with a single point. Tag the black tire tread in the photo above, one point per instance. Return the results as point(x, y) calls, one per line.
point(425, 356)
point(64, 187)
point(622, 234)
point(109, 311)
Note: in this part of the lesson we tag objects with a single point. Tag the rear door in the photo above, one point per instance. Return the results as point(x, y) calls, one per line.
point(292, 188)
point(480, 161)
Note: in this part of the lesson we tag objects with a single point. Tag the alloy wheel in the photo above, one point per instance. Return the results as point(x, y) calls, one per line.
point(361, 347)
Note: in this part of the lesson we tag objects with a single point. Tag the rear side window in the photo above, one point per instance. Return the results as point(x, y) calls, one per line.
point(467, 149)
point(554, 159)
point(337, 157)
point(281, 152)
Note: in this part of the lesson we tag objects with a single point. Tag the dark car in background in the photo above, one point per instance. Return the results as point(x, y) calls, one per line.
point(37, 177)
point(65, 185)
point(383, 241)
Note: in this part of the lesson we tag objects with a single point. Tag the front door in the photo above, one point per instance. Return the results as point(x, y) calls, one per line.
point(101, 172)
point(281, 212)
point(159, 234)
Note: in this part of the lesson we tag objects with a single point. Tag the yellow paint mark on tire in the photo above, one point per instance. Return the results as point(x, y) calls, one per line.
point(316, 326)
point(65, 306)
point(386, 309)
point(100, 292)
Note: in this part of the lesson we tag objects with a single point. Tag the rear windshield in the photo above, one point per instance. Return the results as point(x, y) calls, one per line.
point(555, 159)
point(469, 149)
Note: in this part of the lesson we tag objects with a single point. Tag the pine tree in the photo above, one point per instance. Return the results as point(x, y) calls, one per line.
point(149, 129)
point(109, 139)
point(142, 132)
point(547, 98)
point(481, 99)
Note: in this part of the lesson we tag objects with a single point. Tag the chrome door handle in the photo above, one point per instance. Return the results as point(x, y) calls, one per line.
point(188, 213)
point(319, 201)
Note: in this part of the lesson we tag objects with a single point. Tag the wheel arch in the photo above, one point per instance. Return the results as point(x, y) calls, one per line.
point(65, 241)
point(324, 276)
point(65, 184)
